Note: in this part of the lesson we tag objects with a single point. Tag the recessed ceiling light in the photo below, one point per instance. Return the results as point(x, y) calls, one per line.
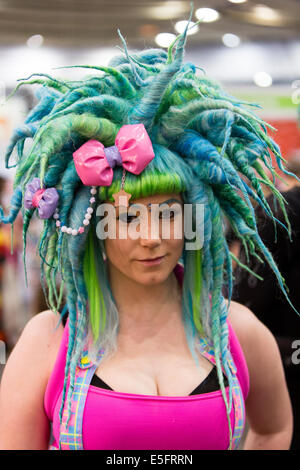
point(237, 1)
point(266, 13)
point(181, 25)
point(167, 10)
point(207, 15)
point(231, 40)
point(164, 39)
point(262, 79)
point(34, 42)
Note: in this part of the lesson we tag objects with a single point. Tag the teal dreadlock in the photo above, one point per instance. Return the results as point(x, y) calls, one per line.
point(208, 146)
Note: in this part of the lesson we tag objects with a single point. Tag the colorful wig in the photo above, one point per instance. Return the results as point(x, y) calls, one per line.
point(208, 146)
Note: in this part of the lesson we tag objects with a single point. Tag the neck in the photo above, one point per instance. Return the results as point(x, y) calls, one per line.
point(145, 306)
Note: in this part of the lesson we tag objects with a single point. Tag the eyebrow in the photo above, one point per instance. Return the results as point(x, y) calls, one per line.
point(168, 201)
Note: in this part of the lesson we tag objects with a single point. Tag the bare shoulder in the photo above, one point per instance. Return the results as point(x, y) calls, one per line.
point(44, 328)
point(46, 322)
point(267, 405)
point(24, 383)
point(40, 339)
point(243, 320)
point(254, 337)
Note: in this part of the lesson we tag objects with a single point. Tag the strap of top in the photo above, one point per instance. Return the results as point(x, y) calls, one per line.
point(56, 380)
point(239, 360)
point(240, 375)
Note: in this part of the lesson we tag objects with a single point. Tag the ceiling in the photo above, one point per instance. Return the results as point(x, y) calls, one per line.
point(94, 23)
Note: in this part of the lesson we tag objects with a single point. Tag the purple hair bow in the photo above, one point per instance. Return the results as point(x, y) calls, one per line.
point(45, 200)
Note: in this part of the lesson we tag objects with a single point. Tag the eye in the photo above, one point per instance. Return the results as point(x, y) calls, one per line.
point(127, 219)
point(168, 214)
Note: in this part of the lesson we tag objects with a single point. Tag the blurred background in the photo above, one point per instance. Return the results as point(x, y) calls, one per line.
point(252, 48)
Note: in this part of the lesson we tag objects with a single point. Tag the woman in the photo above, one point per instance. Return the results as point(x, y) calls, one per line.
point(151, 355)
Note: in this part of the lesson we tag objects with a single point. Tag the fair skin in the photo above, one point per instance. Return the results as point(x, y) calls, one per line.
point(152, 358)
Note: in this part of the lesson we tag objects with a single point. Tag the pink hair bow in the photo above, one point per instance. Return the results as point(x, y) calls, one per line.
point(132, 150)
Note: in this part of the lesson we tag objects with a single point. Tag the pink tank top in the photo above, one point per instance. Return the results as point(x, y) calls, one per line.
point(104, 419)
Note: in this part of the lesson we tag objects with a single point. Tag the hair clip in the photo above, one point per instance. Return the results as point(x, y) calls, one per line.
point(45, 200)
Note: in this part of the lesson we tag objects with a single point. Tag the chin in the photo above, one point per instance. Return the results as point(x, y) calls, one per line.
point(152, 278)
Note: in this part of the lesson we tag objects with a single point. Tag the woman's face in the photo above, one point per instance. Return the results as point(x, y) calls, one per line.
point(144, 256)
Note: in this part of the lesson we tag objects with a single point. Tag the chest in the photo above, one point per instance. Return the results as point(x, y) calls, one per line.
point(148, 371)
point(168, 370)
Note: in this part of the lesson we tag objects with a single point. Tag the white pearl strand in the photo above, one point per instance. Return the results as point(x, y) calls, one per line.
point(86, 220)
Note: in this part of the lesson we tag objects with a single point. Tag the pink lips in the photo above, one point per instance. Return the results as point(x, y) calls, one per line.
point(152, 262)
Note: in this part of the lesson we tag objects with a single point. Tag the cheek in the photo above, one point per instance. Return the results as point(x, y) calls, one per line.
point(117, 251)
point(176, 241)
point(176, 247)
point(177, 236)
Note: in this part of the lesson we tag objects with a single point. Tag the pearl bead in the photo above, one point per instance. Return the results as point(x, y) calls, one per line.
point(93, 191)
point(93, 199)
point(57, 223)
point(88, 216)
point(64, 228)
point(74, 232)
point(86, 222)
point(69, 230)
point(55, 215)
point(90, 210)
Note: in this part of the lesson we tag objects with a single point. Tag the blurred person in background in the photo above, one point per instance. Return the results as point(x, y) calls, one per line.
point(264, 297)
point(4, 248)
point(13, 305)
point(18, 301)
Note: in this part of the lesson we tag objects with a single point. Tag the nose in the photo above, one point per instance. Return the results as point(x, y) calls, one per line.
point(148, 239)
point(150, 242)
